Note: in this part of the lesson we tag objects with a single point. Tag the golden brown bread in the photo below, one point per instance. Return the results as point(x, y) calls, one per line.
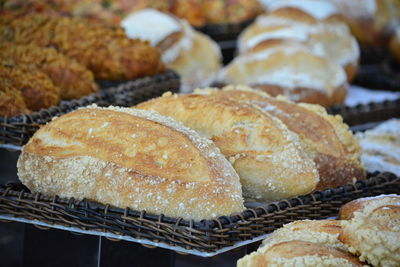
point(11, 102)
point(325, 232)
point(325, 138)
point(331, 40)
point(131, 158)
point(299, 253)
point(290, 69)
point(373, 231)
point(267, 156)
point(366, 205)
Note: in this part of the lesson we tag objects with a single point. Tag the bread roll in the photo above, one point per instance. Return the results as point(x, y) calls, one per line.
point(289, 69)
point(299, 253)
point(373, 232)
point(192, 54)
point(324, 232)
point(325, 138)
point(380, 147)
point(303, 10)
point(371, 21)
point(331, 40)
point(395, 44)
point(267, 156)
point(131, 158)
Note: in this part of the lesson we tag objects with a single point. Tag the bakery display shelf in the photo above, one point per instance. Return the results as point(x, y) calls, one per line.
point(16, 131)
point(203, 238)
point(365, 116)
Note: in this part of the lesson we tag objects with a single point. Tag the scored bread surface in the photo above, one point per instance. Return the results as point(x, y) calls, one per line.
point(131, 158)
point(267, 156)
point(325, 138)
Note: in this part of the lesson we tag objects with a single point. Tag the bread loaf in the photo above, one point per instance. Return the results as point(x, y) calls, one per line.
point(131, 158)
point(290, 69)
point(299, 253)
point(267, 156)
point(325, 138)
point(373, 232)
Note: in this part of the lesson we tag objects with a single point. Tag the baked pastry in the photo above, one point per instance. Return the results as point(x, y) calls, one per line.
point(267, 156)
point(371, 21)
point(395, 44)
point(103, 49)
point(331, 40)
point(299, 253)
point(11, 102)
point(35, 87)
point(308, 11)
point(373, 232)
point(325, 138)
point(380, 147)
point(73, 79)
point(192, 54)
point(131, 158)
point(324, 232)
point(290, 69)
point(223, 11)
point(364, 206)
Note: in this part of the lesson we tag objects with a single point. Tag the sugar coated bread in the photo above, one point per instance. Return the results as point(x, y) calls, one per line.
point(267, 156)
point(299, 253)
point(192, 54)
point(290, 69)
point(325, 232)
point(131, 158)
point(331, 40)
point(373, 231)
point(325, 138)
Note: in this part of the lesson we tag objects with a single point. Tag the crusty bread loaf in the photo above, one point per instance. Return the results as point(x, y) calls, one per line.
point(299, 253)
point(195, 56)
point(373, 232)
point(290, 69)
point(325, 232)
point(131, 158)
point(325, 138)
point(267, 156)
point(331, 40)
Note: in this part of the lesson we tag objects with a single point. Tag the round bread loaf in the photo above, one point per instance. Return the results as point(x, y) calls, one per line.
point(131, 158)
point(373, 231)
point(290, 69)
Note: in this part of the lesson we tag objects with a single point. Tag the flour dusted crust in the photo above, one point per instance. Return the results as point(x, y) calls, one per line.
point(325, 138)
point(289, 69)
point(195, 56)
point(330, 40)
point(131, 158)
point(267, 156)
point(299, 253)
point(373, 229)
point(325, 232)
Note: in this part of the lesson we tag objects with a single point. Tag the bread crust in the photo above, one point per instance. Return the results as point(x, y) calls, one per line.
point(336, 155)
point(131, 158)
point(266, 155)
point(299, 253)
point(373, 230)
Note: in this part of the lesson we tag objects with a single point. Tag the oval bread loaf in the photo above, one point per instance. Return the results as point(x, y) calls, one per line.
point(267, 156)
point(131, 158)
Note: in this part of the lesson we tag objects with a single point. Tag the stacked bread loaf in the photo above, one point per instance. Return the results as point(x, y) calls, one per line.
point(299, 50)
point(137, 158)
point(192, 54)
point(367, 232)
